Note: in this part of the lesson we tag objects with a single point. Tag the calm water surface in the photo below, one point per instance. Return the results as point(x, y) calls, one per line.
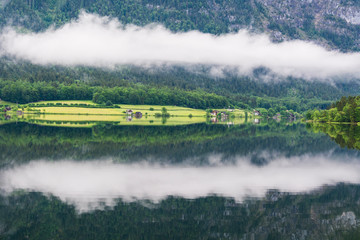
point(202, 181)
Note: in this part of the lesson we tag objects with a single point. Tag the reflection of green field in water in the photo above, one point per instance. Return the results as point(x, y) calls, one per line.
point(144, 109)
point(90, 120)
point(64, 120)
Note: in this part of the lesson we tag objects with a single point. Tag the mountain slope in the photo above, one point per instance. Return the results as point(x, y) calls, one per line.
point(331, 23)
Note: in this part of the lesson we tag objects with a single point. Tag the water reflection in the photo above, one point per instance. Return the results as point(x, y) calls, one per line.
point(88, 184)
point(205, 181)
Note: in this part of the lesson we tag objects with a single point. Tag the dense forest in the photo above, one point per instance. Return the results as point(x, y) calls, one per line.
point(346, 110)
point(216, 17)
point(25, 92)
point(22, 82)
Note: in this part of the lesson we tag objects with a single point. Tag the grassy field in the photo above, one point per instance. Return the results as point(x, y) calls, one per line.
point(76, 116)
point(7, 103)
point(144, 109)
point(172, 110)
point(89, 102)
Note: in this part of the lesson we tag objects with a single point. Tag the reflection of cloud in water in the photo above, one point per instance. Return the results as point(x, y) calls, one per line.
point(86, 184)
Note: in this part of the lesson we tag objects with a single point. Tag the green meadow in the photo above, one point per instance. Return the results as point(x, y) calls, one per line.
point(76, 113)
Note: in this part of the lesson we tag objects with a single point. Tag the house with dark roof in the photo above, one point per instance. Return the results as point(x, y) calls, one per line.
point(257, 113)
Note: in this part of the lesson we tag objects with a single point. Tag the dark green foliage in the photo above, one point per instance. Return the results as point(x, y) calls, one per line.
point(25, 142)
point(175, 15)
point(25, 92)
point(344, 135)
point(347, 109)
point(141, 94)
point(214, 17)
point(242, 92)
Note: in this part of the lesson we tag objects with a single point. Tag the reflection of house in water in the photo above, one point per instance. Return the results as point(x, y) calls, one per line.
point(292, 116)
point(277, 117)
point(7, 117)
point(230, 124)
point(19, 113)
point(129, 118)
point(256, 121)
point(214, 120)
point(138, 115)
point(224, 116)
point(129, 111)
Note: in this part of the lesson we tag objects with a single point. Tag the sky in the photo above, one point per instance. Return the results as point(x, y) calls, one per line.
point(87, 185)
point(97, 41)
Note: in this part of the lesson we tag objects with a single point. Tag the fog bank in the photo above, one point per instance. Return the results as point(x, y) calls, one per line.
point(103, 42)
point(87, 184)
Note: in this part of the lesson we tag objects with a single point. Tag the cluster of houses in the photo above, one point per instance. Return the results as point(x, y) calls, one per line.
point(130, 113)
point(215, 114)
point(7, 109)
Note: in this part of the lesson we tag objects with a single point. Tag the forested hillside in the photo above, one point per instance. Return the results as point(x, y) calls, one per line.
point(333, 24)
point(23, 83)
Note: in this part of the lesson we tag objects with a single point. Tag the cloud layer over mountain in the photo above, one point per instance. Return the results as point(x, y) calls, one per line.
point(103, 42)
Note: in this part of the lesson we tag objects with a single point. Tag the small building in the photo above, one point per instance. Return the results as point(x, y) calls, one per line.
point(277, 117)
point(19, 113)
point(129, 111)
point(257, 113)
point(7, 109)
point(138, 115)
point(214, 113)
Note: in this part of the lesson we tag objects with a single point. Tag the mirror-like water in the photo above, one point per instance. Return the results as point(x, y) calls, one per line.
point(268, 181)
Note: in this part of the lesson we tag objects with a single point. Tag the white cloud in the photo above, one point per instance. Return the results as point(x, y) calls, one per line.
point(102, 42)
point(87, 184)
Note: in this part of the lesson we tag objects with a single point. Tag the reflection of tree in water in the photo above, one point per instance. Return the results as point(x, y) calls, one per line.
point(24, 142)
point(345, 135)
point(329, 213)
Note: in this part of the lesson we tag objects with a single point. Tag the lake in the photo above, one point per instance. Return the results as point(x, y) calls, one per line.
point(273, 180)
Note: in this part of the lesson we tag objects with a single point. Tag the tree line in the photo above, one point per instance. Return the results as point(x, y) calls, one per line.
point(347, 109)
point(25, 92)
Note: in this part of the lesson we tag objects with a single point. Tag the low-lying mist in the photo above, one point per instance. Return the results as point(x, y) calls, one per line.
point(92, 185)
point(97, 41)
